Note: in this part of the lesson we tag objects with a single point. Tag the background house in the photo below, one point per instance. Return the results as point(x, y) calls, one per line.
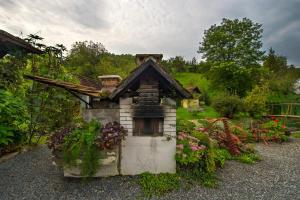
point(193, 103)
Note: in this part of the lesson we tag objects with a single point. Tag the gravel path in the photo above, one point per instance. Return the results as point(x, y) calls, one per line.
point(32, 176)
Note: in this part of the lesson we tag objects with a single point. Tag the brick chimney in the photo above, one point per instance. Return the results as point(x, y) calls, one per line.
point(110, 81)
point(141, 58)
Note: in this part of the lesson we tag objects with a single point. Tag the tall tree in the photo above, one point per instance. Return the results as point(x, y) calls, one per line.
point(84, 57)
point(233, 50)
point(281, 76)
point(237, 41)
point(275, 63)
point(175, 64)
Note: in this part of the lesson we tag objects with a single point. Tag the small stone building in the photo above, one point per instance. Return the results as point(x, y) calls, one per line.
point(144, 103)
point(192, 104)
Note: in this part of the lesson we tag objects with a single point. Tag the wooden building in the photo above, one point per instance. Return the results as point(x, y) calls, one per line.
point(10, 44)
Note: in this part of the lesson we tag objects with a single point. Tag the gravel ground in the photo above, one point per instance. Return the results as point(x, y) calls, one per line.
point(32, 176)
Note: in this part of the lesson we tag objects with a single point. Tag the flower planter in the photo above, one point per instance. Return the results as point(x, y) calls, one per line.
point(109, 165)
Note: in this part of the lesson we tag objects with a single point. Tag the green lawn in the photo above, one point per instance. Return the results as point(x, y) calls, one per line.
point(296, 135)
point(193, 79)
point(209, 112)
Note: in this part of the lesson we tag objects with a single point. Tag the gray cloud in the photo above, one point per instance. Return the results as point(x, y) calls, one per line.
point(136, 26)
point(8, 4)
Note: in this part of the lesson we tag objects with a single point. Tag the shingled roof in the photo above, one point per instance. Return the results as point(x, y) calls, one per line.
point(133, 77)
point(9, 44)
point(87, 90)
point(93, 88)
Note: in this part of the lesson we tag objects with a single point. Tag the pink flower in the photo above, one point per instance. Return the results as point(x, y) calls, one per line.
point(202, 129)
point(194, 148)
point(180, 137)
point(180, 146)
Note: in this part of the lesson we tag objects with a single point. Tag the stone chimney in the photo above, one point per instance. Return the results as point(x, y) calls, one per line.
point(110, 81)
point(141, 58)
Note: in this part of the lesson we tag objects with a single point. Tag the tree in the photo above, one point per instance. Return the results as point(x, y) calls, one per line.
point(237, 41)
point(84, 58)
point(232, 50)
point(236, 80)
point(281, 76)
point(275, 63)
point(193, 61)
point(176, 64)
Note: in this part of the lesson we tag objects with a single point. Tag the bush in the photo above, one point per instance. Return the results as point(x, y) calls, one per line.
point(79, 145)
point(195, 158)
point(255, 101)
point(158, 184)
point(14, 118)
point(184, 126)
point(82, 146)
point(228, 105)
point(221, 155)
point(189, 151)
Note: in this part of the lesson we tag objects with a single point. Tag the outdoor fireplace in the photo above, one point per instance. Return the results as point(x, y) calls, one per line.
point(148, 112)
point(148, 115)
point(144, 104)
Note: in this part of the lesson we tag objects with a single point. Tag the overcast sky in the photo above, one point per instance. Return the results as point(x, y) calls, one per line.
point(171, 27)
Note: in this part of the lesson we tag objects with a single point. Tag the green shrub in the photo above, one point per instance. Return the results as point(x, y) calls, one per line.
point(14, 118)
point(202, 137)
point(185, 126)
point(6, 135)
point(79, 145)
point(228, 105)
point(221, 155)
point(255, 101)
point(158, 184)
point(188, 151)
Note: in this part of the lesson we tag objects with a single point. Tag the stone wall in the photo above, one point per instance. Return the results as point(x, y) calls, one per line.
point(104, 115)
point(147, 153)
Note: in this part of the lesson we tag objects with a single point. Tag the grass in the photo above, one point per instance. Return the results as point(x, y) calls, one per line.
point(185, 114)
point(158, 184)
point(248, 158)
point(296, 135)
point(193, 79)
point(196, 79)
point(191, 177)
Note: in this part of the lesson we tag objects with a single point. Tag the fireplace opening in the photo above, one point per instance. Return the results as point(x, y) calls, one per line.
point(148, 126)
